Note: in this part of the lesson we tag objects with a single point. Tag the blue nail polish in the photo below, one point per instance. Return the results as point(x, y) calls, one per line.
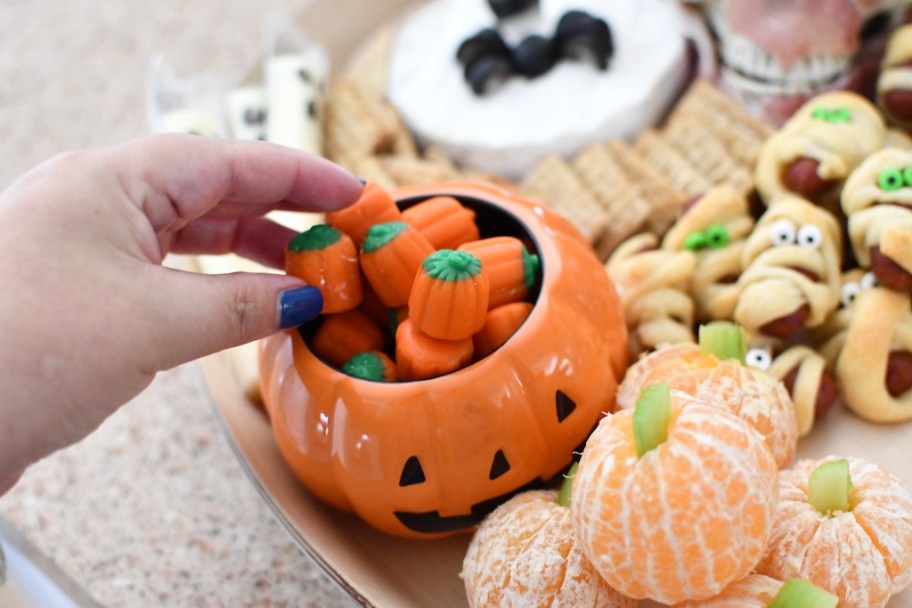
point(299, 305)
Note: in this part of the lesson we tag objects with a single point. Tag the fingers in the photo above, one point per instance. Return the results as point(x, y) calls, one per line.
point(257, 239)
point(178, 178)
point(193, 315)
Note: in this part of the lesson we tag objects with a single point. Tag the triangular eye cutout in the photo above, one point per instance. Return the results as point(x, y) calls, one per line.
point(412, 472)
point(499, 466)
point(565, 406)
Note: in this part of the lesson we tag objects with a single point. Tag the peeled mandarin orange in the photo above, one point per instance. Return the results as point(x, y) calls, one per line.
point(755, 397)
point(860, 550)
point(684, 519)
point(759, 591)
point(525, 554)
point(752, 591)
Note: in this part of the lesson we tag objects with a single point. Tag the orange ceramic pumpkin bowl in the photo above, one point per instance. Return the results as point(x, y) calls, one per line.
point(429, 458)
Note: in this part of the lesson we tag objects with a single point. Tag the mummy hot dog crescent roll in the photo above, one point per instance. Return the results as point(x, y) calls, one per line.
point(803, 372)
point(829, 337)
point(653, 286)
point(814, 152)
point(791, 269)
point(874, 368)
point(715, 228)
point(877, 200)
point(894, 83)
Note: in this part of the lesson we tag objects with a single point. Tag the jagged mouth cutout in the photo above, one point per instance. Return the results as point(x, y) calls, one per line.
point(742, 59)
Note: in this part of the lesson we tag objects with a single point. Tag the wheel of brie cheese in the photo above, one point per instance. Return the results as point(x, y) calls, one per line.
point(508, 130)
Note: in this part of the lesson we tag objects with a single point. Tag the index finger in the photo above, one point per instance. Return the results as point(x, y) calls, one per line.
point(178, 178)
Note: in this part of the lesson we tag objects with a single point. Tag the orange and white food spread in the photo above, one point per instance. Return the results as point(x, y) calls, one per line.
point(574, 103)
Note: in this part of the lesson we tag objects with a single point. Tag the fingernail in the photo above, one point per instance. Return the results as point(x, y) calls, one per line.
point(299, 305)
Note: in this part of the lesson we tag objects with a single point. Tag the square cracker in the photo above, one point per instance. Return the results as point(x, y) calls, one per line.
point(554, 183)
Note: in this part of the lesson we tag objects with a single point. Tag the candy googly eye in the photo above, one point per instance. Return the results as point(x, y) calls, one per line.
point(809, 236)
point(695, 241)
point(820, 113)
point(782, 233)
point(890, 180)
point(907, 176)
point(848, 293)
point(869, 281)
point(758, 358)
point(717, 236)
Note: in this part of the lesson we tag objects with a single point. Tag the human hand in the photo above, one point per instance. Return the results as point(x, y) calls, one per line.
point(89, 315)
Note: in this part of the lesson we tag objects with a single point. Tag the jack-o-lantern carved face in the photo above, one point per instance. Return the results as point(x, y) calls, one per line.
point(431, 457)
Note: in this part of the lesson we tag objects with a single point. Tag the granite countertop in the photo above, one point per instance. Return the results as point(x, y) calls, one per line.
point(153, 509)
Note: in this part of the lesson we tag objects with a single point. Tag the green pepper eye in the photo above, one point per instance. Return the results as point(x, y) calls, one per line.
point(890, 180)
point(832, 115)
point(840, 115)
point(907, 176)
point(820, 113)
point(695, 241)
point(717, 236)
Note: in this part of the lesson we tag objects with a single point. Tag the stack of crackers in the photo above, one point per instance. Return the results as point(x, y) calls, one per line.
point(611, 190)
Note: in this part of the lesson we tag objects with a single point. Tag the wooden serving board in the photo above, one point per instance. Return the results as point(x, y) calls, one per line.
point(388, 572)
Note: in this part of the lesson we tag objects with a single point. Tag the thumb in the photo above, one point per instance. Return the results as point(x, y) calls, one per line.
point(199, 314)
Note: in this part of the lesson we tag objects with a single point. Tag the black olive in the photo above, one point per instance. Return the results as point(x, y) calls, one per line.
point(488, 73)
point(506, 8)
point(486, 42)
point(534, 56)
point(581, 36)
point(254, 116)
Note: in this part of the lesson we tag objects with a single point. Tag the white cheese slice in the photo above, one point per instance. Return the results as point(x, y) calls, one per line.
point(574, 104)
point(246, 110)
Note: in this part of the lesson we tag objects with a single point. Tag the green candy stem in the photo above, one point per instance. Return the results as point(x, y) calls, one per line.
point(651, 417)
point(563, 498)
point(724, 340)
point(381, 234)
point(318, 237)
point(449, 265)
point(830, 487)
point(802, 593)
point(365, 365)
point(531, 265)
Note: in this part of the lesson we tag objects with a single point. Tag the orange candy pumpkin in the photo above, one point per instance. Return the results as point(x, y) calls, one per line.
point(449, 298)
point(420, 356)
point(860, 550)
point(444, 222)
point(375, 206)
point(683, 519)
point(501, 323)
point(342, 336)
point(525, 554)
point(511, 269)
point(391, 256)
point(432, 457)
point(327, 259)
